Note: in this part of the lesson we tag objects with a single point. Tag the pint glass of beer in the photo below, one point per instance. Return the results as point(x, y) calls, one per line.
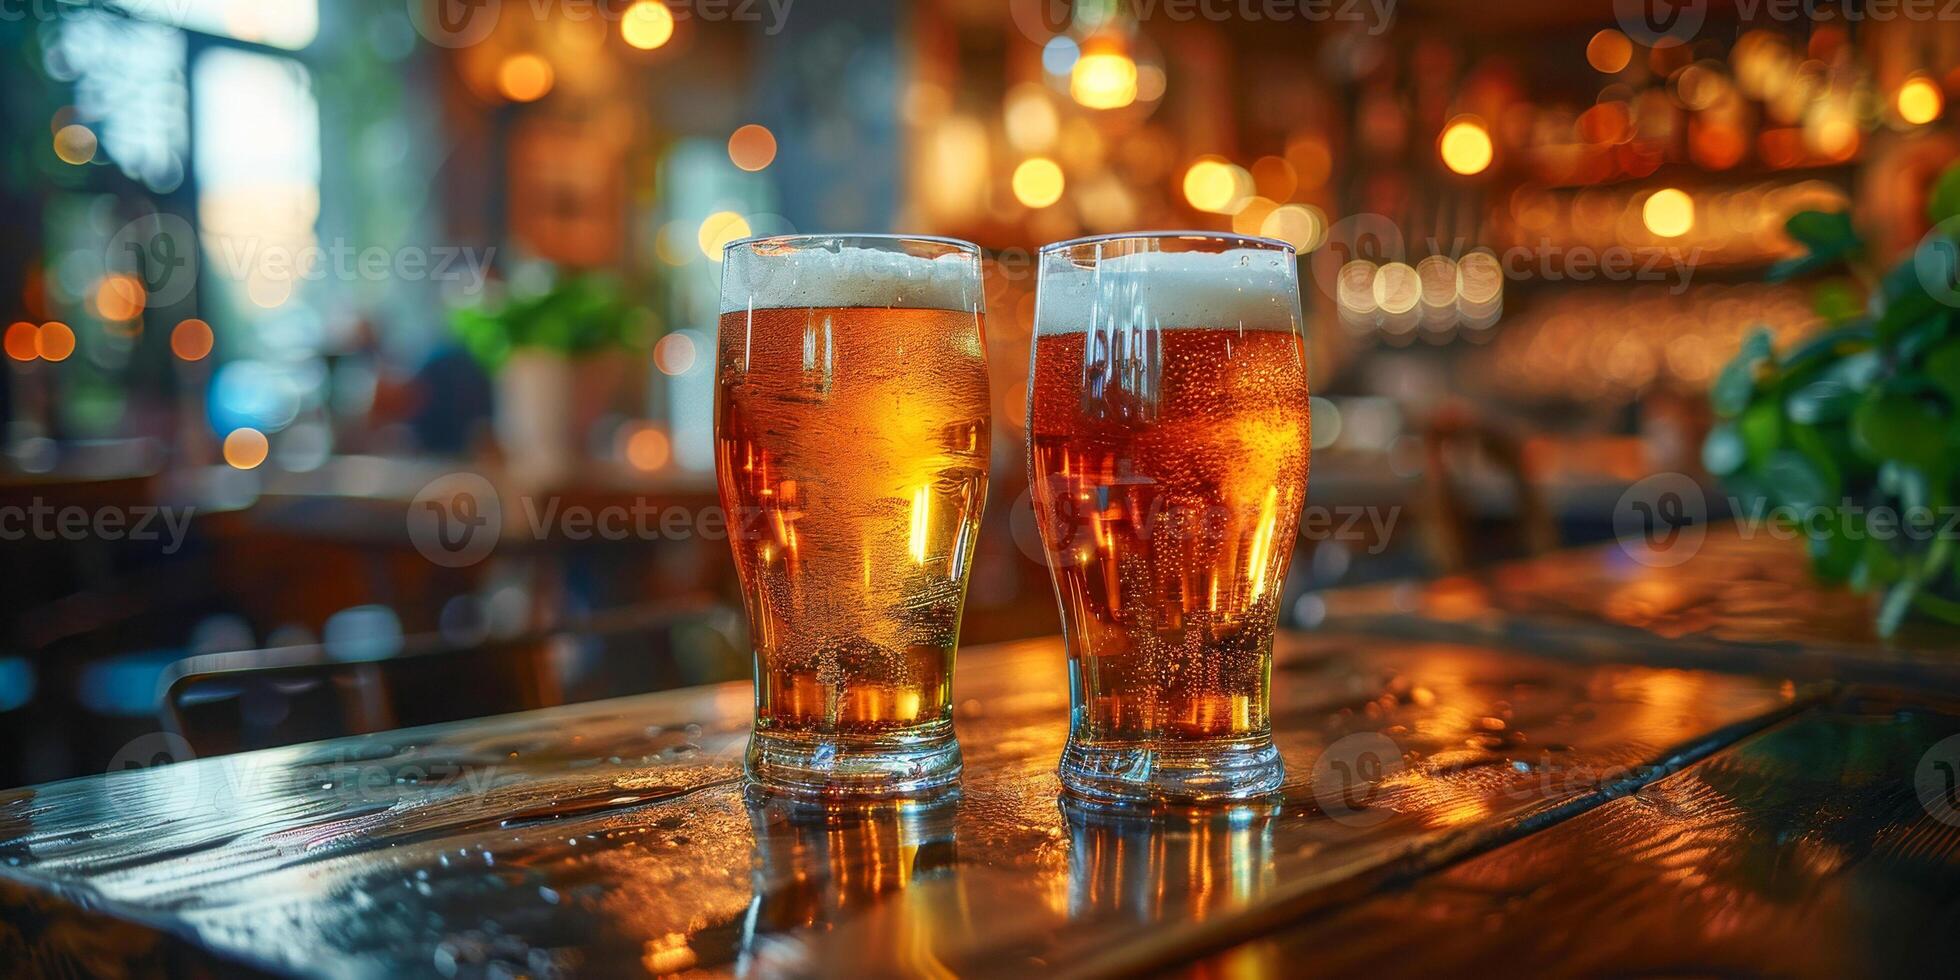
point(851, 448)
point(1168, 437)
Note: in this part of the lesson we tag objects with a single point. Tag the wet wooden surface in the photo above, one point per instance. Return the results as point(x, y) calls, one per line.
point(1827, 845)
point(615, 838)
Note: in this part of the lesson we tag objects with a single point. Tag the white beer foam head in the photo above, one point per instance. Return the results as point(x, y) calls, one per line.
point(1240, 288)
point(764, 278)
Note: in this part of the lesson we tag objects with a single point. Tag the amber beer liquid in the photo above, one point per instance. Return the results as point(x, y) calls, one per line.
point(851, 449)
point(1169, 432)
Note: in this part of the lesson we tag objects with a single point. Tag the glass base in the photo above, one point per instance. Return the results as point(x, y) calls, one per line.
point(1234, 770)
point(815, 766)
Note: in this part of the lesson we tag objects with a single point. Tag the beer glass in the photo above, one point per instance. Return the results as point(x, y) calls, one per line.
point(1168, 438)
point(851, 446)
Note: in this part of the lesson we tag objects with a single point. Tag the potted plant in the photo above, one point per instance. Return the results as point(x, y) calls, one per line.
point(560, 358)
point(1860, 424)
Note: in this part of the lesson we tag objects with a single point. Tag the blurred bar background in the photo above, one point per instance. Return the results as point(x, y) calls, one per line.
point(282, 278)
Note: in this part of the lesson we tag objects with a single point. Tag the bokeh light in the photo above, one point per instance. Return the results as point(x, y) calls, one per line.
point(246, 448)
point(120, 297)
point(1059, 54)
point(649, 449)
point(525, 78)
point(1919, 101)
point(1214, 185)
point(54, 341)
point(192, 340)
point(75, 144)
point(719, 229)
point(1479, 278)
point(1465, 146)
point(1103, 80)
point(1609, 51)
point(674, 354)
point(1668, 212)
point(20, 342)
point(1038, 182)
point(752, 147)
point(1299, 225)
point(647, 24)
point(1397, 288)
point(1030, 118)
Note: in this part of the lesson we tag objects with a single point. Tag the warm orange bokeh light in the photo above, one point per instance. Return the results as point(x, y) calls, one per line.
point(1609, 51)
point(752, 147)
point(1038, 182)
point(20, 342)
point(245, 449)
point(1919, 101)
point(1215, 185)
point(192, 340)
point(1465, 146)
point(1669, 212)
point(718, 230)
point(120, 297)
point(649, 449)
point(1103, 80)
point(75, 144)
point(54, 341)
point(525, 78)
point(647, 24)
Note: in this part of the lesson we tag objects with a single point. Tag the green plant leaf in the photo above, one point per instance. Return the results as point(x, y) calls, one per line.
point(1916, 339)
point(1942, 368)
point(1761, 426)
point(1827, 237)
point(1833, 555)
point(1836, 301)
point(1943, 201)
point(1945, 610)
point(1897, 601)
point(1903, 300)
point(1796, 480)
point(1882, 566)
point(1818, 402)
point(1737, 382)
point(1723, 452)
point(1895, 426)
point(1816, 449)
